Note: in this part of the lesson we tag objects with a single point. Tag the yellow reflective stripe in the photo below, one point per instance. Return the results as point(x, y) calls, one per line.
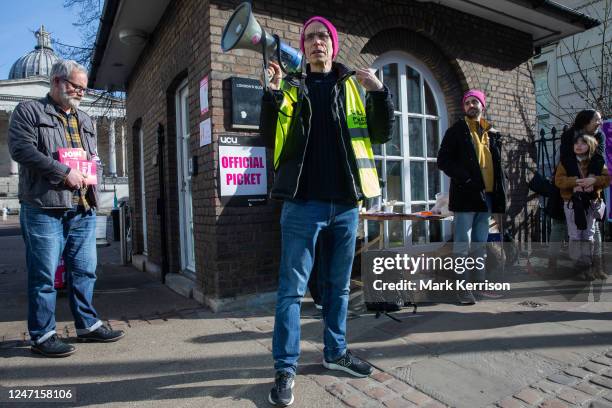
point(360, 149)
point(360, 140)
point(370, 186)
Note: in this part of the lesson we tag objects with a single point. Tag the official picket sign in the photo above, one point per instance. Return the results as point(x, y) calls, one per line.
point(242, 170)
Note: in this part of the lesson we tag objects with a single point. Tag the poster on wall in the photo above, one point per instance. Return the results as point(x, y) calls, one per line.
point(242, 170)
point(606, 128)
point(204, 95)
point(205, 132)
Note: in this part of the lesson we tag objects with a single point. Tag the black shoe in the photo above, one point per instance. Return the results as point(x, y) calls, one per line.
point(466, 297)
point(53, 347)
point(350, 364)
point(281, 394)
point(101, 335)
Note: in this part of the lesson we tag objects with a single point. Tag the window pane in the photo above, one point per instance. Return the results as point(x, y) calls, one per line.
point(419, 234)
point(417, 181)
point(396, 233)
point(413, 80)
point(415, 136)
point(430, 102)
point(394, 147)
point(390, 79)
point(394, 180)
point(433, 180)
point(433, 138)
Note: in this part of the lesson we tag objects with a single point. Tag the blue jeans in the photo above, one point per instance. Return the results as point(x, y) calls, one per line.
point(472, 230)
point(49, 234)
point(302, 222)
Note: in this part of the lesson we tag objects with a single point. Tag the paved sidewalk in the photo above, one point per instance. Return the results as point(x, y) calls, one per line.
point(522, 353)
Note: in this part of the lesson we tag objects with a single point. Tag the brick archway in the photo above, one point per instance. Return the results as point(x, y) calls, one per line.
point(449, 77)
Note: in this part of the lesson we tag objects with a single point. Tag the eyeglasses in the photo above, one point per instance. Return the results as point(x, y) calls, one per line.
point(323, 36)
point(77, 88)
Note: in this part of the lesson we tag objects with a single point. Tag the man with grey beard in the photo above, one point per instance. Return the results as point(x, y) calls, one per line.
point(58, 208)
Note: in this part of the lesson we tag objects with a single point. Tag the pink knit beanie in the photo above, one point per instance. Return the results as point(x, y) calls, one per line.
point(330, 27)
point(476, 93)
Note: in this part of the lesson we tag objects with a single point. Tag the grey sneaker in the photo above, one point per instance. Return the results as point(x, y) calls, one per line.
point(281, 395)
point(351, 364)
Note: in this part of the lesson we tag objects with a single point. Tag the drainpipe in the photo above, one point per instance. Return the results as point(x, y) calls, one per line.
point(161, 201)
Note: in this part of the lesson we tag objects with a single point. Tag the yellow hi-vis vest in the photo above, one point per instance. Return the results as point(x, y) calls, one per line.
point(358, 132)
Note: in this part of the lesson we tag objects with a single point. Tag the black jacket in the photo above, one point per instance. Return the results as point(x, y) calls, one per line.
point(568, 157)
point(380, 118)
point(457, 158)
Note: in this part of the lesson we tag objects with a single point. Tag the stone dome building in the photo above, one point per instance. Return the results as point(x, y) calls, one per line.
point(37, 62)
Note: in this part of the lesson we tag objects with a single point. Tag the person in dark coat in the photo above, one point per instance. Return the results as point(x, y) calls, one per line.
point(587, 122)
point(58, 208)
point(321, 129)
point(470, 155)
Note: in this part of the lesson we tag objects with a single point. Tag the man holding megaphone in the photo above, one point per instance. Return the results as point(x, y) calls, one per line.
point(321, 126)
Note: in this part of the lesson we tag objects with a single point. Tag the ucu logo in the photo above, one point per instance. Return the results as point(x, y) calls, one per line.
point(229, 140)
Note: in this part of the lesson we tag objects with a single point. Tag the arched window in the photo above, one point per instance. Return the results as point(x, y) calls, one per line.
point(407, 163)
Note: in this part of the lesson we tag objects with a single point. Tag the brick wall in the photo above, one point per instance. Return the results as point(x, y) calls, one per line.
point(237, 248)
point(150, 102)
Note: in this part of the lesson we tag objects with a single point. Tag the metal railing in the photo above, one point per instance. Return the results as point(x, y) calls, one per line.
point(547, 147)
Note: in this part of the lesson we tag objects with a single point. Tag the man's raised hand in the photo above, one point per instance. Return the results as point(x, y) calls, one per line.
point(368, 80)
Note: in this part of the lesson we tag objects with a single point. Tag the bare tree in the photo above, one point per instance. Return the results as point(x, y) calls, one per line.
point(594, 90)
point(587, 65)
point(89, 13)
point(88, 20)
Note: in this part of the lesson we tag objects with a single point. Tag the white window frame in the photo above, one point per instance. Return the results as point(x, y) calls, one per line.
point(143, 192)
point(187, 243)
point(403, 59)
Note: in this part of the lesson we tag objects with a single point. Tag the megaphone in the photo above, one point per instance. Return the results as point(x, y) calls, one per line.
point(242, 31)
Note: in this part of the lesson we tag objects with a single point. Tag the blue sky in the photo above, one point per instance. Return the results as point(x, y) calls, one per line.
point(20, 18)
